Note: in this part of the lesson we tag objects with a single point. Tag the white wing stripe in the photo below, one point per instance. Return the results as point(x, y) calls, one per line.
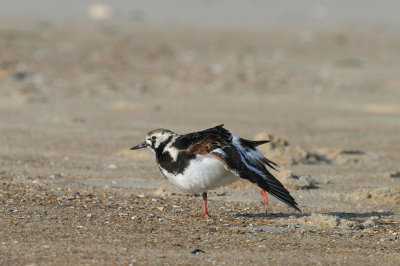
point(242, 156)
point(220, 151)
point(254, 156)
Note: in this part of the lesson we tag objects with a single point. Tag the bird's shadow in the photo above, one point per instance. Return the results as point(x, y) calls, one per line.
point(270, 215)
point(343, 215)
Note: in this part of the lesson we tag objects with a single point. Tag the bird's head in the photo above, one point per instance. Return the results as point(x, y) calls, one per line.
point(155, 138)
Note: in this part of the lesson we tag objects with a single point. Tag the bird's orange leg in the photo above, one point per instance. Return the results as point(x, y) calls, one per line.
point(205, 212)
point(265, 198)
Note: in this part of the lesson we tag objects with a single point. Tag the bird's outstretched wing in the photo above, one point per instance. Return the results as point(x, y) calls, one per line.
point(244, 160)
point(237, 155)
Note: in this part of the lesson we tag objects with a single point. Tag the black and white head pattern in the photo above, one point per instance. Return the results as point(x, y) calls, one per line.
point(159, 138)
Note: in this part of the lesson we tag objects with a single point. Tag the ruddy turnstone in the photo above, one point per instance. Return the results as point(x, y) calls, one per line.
point(204, 160)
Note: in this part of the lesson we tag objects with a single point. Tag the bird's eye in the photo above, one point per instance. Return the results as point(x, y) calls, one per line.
point(153, 137)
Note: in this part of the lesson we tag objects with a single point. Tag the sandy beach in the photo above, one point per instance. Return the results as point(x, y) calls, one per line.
point(74, 98)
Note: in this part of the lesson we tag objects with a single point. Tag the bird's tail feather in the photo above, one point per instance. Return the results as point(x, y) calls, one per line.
point(275, 188)
point(283, 195)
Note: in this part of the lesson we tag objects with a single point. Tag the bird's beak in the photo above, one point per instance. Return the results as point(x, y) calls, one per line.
point(140, 146)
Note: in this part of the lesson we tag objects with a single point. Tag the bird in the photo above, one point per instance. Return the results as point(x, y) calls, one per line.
point(201, 161)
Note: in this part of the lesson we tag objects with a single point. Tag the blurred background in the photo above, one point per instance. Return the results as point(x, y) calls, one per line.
point(248, 63)
point(221, 13)
point(81, 82)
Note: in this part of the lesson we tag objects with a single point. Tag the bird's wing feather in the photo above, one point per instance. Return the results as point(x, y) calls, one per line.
point(203, 142)
point(248, 163)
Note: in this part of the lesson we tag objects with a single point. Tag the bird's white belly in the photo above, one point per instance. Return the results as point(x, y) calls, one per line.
point(202, 174)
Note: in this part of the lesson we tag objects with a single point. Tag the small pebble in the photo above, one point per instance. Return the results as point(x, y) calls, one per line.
point(395, 174)
point(197, 251)
point(111, 166)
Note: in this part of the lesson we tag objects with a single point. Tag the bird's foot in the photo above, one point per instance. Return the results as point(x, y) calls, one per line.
point(203, 214)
